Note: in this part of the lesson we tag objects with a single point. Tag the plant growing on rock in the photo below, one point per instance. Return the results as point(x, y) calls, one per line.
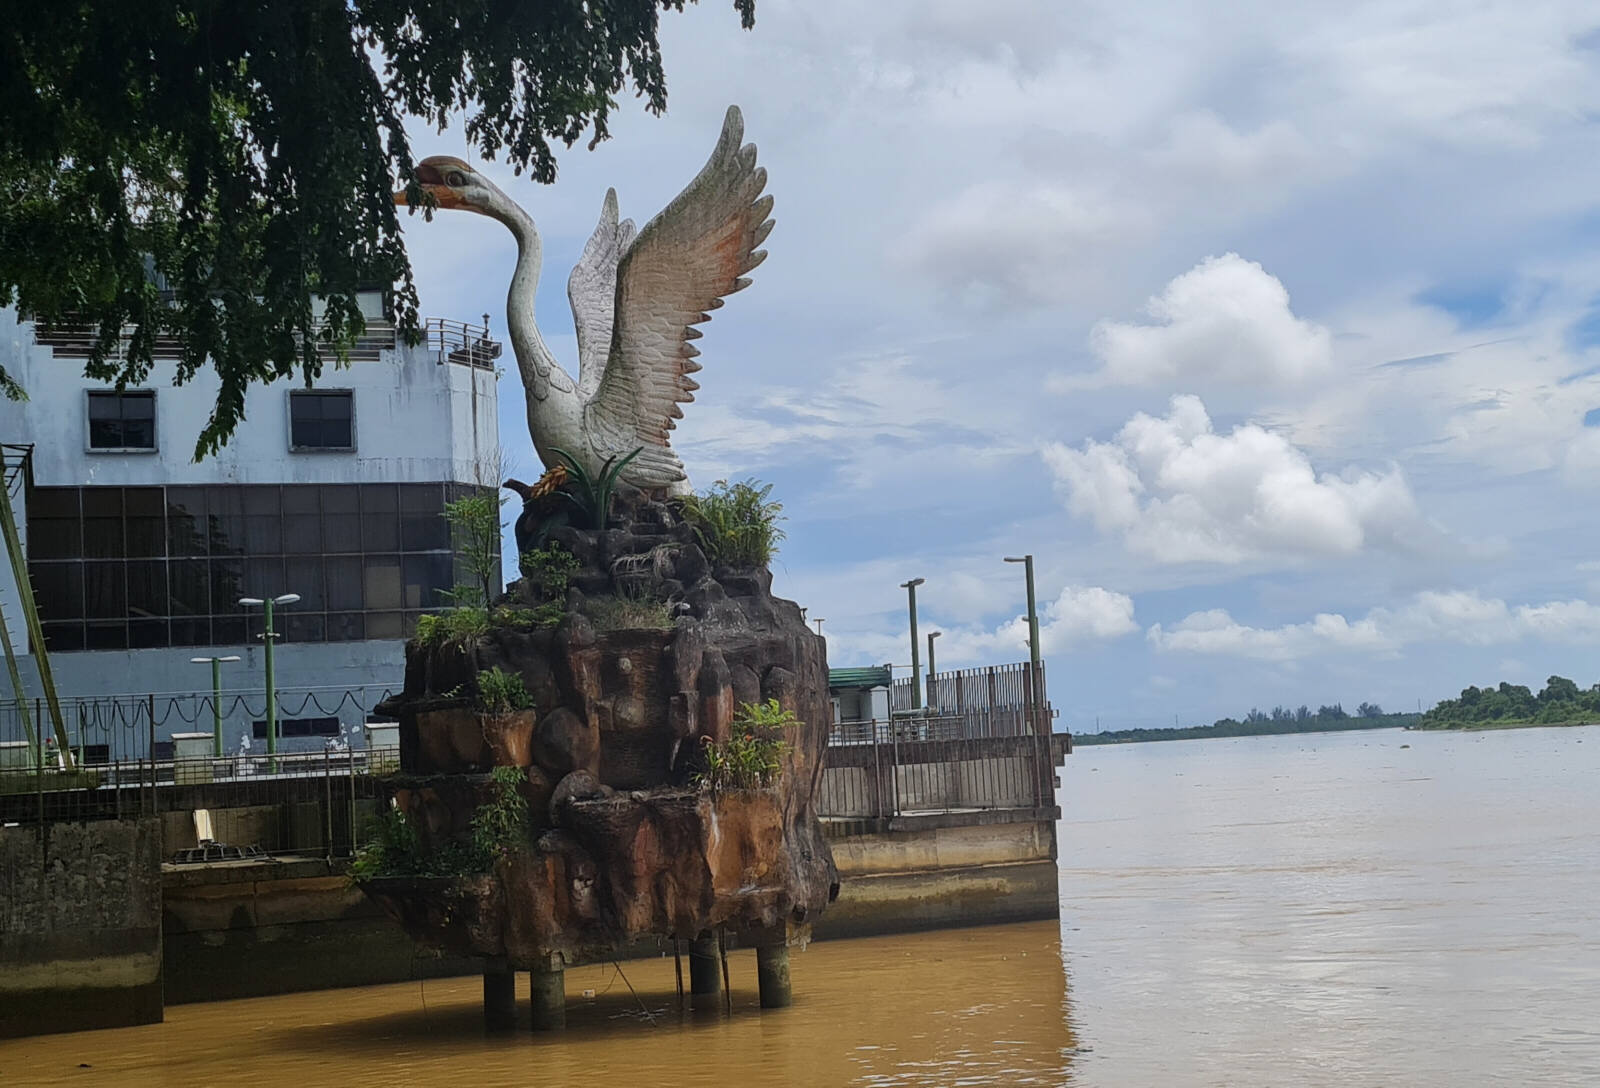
point(591, 495)
point(752, 756)
point(458, 627)
point(736, 524)
point(630, 611)
point(501, 692)
point(502, 822)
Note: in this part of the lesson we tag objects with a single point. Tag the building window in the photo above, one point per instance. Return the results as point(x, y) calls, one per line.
point(322, 419)
point(299, 727)
point(122, 421)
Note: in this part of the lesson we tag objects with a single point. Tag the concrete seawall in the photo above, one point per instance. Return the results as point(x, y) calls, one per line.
point(80, 926)
point(100, 933)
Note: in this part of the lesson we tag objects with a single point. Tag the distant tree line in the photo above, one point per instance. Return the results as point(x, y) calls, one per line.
point(1280, 719)
point(1562, 702)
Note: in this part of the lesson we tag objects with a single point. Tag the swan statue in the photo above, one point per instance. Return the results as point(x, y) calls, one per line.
point(636, 299)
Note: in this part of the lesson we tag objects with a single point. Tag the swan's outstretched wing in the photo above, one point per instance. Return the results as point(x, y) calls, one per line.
point(592, 290)
point(681, 265)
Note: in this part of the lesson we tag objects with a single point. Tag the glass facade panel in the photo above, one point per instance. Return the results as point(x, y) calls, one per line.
point(167, 566)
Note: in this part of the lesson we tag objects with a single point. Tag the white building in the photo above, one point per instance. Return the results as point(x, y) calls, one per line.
point(139, 556)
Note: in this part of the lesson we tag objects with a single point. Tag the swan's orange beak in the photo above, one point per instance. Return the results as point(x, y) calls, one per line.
point(443, 197)
point(429, 178)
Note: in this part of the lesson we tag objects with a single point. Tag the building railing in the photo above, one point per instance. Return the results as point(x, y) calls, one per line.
point(77, 341)
point(461, 343)
point(123, 728)
point(308, 803)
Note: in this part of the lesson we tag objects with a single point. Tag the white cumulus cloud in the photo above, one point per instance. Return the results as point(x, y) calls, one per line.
point(1225, 320)
point(1461, 616)
point(1178, 491)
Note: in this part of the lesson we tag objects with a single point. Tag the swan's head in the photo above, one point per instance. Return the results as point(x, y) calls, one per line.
point(454, 184)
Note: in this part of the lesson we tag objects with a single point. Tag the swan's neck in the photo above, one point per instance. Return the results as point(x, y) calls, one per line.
point(540, 372)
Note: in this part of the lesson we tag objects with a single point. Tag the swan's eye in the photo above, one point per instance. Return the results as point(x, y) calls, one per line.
point(455, 179)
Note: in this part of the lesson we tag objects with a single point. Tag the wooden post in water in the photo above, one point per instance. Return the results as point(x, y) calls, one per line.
point(499, 995)
point(772, 975)
point(705, 973)
point(547, 992)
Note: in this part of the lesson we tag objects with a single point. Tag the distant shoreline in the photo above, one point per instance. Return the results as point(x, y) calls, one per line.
point(1478, 727)
point(1264, 729)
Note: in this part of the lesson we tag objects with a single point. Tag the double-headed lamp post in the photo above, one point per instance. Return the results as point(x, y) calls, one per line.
point(216, 696)
point(1033, 634)
point(267, 638)
point(819, 621)
point(916, 651)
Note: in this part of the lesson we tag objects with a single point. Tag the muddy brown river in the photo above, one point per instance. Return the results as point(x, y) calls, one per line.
point(1354, 909)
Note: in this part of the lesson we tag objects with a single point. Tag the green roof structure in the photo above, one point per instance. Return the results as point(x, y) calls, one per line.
point(872, 676)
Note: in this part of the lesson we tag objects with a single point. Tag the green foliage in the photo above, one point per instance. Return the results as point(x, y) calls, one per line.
point(591, 495)
point(1329, 719)
point(502, 822)
point(544, 615)
point(629, 611)
point(737, 524)
point(501, 692)
point(552, 567)
point(245, 155)
point(1561, 702)
point(457, 627)
point(752, 756)
point(475, 535)
point(393, 846)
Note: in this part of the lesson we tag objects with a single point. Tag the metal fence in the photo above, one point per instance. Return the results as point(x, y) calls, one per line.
point(992, 701)
point(893, 773)
point(120, 728)
point(315, 803)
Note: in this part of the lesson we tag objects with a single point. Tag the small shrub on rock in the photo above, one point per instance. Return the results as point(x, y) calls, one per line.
point(736, 524)
point(501, 692)
point(752, 756)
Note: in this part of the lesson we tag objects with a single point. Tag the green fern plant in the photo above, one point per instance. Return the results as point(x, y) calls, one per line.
point(736, 524)
point(591, 495)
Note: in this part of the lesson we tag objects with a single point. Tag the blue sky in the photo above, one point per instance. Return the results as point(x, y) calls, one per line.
point(1273, 334)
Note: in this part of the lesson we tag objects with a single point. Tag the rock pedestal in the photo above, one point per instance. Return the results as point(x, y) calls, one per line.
point(643, 657)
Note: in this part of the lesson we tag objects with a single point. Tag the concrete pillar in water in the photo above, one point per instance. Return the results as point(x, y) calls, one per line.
point(705, 972)
point(499, 995)
point(547, 993)
point(772, 976)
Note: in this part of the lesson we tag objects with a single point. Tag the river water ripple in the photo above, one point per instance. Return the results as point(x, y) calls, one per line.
point(1340, 910)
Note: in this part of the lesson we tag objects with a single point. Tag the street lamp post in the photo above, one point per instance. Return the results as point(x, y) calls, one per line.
point(267, 639)
point(819, 621)
point(216, 696)
point(931, 670)
point(1033, 634)
point(916, 663)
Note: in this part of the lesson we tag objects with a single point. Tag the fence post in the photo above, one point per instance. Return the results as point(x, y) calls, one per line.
point(327, 803)
point(150, 709)
point(39, 778)
point(116, 776)
point(877, 774)
point(350, 762)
